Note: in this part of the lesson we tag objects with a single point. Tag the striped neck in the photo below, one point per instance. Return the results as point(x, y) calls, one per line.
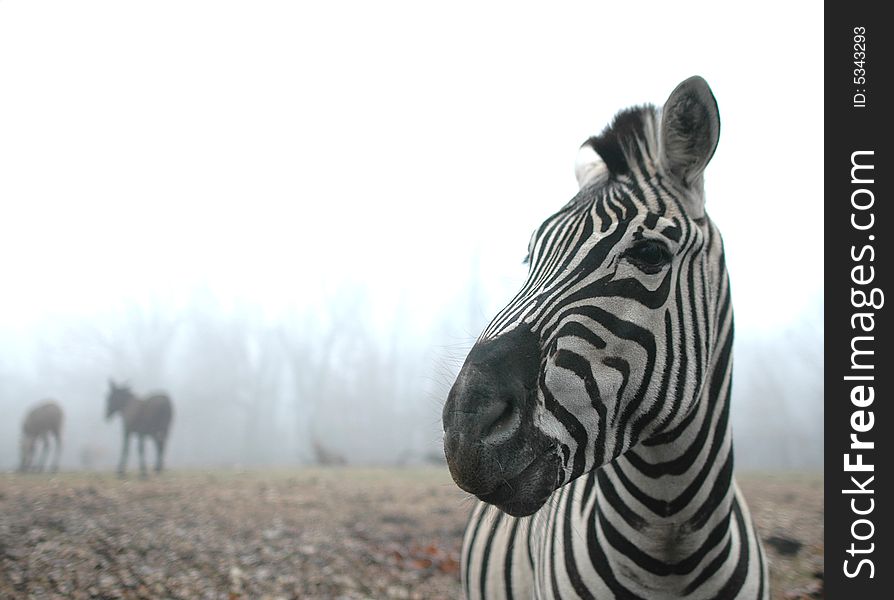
point(675, 491)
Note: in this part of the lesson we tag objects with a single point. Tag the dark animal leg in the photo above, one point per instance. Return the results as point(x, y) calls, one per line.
point(122, 466)
point(140, 446)
point(44, 451)
point(27, 452)
point(159, 452)
point(58, 439)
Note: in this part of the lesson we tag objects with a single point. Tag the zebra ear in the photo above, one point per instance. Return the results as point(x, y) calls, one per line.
point(690, 128)
point(589, 166)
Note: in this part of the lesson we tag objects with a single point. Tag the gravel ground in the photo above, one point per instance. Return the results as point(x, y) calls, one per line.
point(788, 510)
point(308, 533)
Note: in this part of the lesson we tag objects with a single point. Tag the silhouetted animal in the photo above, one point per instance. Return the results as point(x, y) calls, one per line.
point(143, 416)
point(42, 422)
point(326, 457)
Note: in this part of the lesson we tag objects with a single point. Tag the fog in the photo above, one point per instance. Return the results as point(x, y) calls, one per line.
point(296, 220)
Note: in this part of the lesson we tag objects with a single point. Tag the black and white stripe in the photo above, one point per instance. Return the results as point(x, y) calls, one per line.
point(595, 406)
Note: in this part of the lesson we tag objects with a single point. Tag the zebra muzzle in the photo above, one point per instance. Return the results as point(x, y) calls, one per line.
point(524, 494)
point(492, 447)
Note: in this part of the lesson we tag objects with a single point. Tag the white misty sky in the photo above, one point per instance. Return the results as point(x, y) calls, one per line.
point(269, 152)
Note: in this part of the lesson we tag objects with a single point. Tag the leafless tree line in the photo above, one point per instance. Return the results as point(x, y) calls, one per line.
point(327, 385)
point(335, 383)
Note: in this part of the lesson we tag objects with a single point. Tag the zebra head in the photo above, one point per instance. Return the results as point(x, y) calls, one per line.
point(117, 398)
point(607, 343)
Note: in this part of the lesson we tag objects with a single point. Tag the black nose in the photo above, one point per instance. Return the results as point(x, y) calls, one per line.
point(487, 407)
point(483, 405)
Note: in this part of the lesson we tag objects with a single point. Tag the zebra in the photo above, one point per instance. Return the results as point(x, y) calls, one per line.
point(150, 416)
point(591, 417)
point(42, 423)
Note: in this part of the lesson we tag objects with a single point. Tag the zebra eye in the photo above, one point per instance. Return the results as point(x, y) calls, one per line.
point(649, 256)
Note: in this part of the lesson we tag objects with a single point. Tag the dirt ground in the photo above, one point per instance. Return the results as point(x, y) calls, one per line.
point(308, 533)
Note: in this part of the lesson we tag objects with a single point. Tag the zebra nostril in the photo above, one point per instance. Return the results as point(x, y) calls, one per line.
point(505, 420)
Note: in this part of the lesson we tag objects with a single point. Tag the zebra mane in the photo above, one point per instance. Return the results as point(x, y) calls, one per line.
point(627, 141)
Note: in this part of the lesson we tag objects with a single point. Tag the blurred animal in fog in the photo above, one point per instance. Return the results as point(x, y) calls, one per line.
point(326, 457)
point(150, 416)
point(42, 422)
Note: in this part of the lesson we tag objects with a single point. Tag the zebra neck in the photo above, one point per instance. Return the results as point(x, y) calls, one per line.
point(678, 488)
point(129, 412)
